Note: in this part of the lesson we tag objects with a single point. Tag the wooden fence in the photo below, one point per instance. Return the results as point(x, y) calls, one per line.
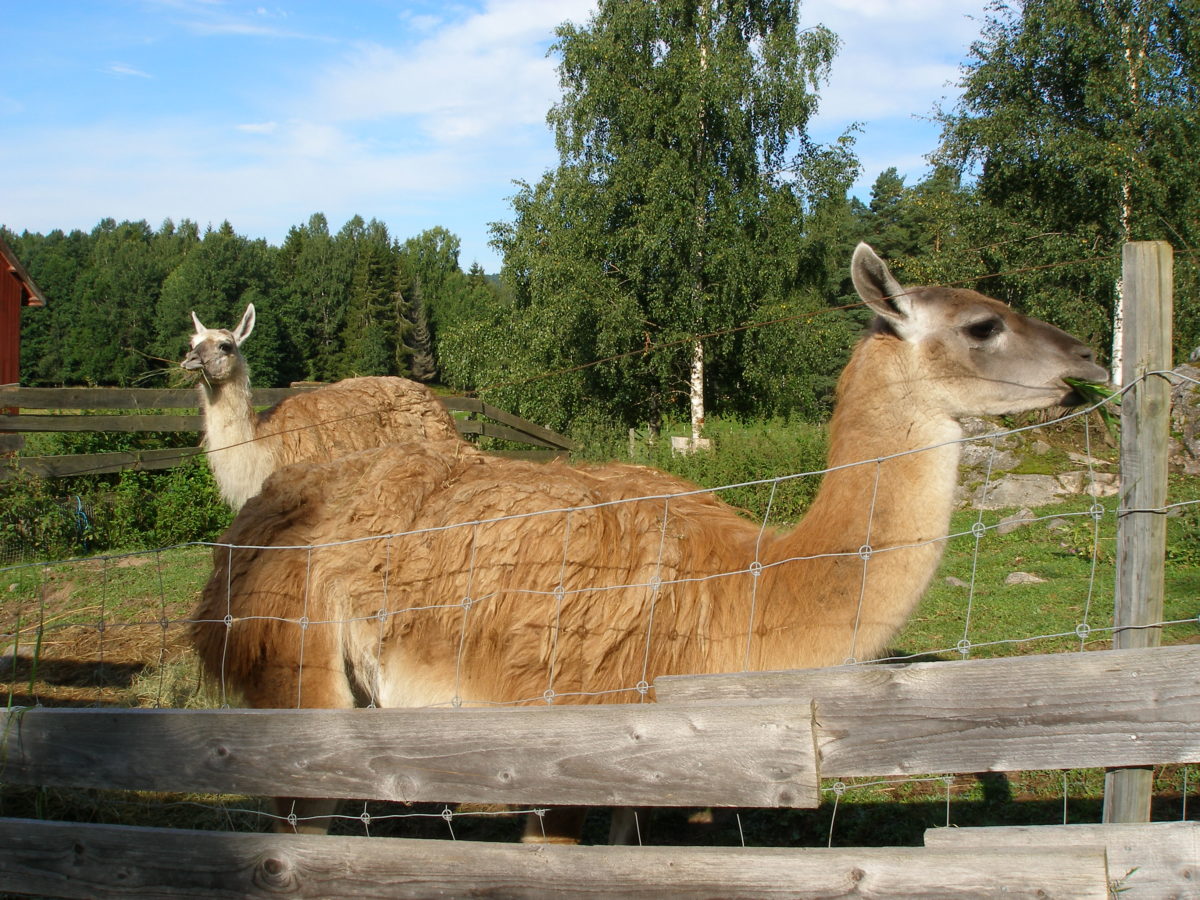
point(760, 739)
point(481, 419)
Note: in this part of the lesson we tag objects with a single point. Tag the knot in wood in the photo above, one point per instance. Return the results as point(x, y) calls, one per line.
point(276, 874)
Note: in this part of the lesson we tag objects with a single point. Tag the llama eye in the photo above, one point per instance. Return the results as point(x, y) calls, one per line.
point(985, 329)
point(225, 347)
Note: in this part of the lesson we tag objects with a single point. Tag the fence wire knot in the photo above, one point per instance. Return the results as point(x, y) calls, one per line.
point(838, 788)
point(382, 615)
point(643, 687)
point(228, 620)
point(303, 622)
point(559, 592)
point(756, 568)
point(865, 552)
point(467, 603)
point(1096, 511)
point(548, 695)
point(979, 530)
point(964, 647)
point(1082, 630)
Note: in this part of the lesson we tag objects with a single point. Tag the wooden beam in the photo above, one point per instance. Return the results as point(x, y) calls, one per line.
point(1145, 861)
point(124, 398)
point(544, 436)
point(126, 424)
point(623, 755)
point(1147, 276)
point(110, 861)
point(97, 463)
point(1058, 711)
point(501, 432)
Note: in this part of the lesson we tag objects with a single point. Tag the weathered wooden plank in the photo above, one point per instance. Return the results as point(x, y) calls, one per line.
point(138, 422)
point(1070, 710)
point(531, 432)
point(502, 432)
point(618, 755)
point(97, 463)
point(124, 398)
point(10, 443)
point(68, 860)
point(1148, 861)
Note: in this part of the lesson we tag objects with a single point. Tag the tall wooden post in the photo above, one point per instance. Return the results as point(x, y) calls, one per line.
point(1141, 525)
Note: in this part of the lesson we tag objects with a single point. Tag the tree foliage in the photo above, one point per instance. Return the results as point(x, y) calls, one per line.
point(1078, 125)
point(673, 210)
point(121, 297)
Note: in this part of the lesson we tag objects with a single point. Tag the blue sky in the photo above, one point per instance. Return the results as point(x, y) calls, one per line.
point(415, 113)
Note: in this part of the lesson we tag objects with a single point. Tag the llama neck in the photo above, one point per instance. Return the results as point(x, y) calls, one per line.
point(229, 416)
point(880, 514)
point(239, 463)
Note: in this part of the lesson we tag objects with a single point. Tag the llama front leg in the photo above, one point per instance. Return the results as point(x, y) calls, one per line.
point(557, 825)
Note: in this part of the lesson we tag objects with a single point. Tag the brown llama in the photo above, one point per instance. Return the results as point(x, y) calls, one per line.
point(245, 446)
point(583, 586)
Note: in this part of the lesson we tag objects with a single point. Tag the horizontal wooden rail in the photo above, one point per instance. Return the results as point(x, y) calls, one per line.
point(626, 755)
point(124, 423)
point(124, 398)
point(101, 463)
point(544, 436)
point(110, 861)
point(504, 426)
point(1145, 861)
point(1059, 711)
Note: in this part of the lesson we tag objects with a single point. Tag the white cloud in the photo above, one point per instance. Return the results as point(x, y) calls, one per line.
point(474, 79)
point(124, 69)
point(258, 127)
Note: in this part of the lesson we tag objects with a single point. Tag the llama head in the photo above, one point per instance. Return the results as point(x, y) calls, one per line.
point(966, 354)
point(214, 354)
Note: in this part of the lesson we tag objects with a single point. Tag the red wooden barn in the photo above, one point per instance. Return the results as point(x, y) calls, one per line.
point(16, 290)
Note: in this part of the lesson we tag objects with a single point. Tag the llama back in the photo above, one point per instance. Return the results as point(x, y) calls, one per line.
point(352, 415)
point(558, 581)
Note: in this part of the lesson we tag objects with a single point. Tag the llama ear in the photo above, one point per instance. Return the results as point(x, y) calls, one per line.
point(200, 329)
point(880, 289)
point(245, 326)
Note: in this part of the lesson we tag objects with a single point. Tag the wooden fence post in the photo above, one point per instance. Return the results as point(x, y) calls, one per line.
point(1141, 526)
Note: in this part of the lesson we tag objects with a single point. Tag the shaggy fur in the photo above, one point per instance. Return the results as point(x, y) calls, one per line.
point(244, 447)
point(582, 584)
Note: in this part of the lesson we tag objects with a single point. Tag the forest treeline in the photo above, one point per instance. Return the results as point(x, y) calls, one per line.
point(691, 233)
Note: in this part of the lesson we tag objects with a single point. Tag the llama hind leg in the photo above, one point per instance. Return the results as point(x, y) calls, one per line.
point(320, 682)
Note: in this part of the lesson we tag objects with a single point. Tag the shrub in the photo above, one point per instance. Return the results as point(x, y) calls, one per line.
point(745, 452)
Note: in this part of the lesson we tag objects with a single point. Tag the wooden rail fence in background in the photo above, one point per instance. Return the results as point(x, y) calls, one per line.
point(481, 420)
